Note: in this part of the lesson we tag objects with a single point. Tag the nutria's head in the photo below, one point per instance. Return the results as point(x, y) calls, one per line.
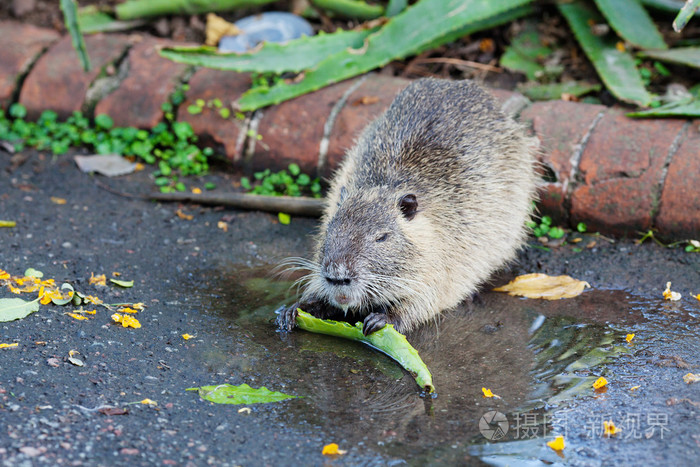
point(364, 253)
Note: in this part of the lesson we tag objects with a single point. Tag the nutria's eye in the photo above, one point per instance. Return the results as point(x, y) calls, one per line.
point(382, 237)
point(409, 206)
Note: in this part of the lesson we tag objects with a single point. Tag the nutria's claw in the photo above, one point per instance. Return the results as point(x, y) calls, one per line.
point(287, 317)
point(374, 322)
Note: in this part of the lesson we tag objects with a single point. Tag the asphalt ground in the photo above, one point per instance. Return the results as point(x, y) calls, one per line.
point(189, 272)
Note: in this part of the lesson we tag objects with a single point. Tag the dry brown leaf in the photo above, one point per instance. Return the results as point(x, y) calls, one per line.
point(217, 27)
point(543, 286)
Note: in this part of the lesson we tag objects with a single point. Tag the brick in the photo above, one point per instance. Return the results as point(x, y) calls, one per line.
point(227, 86)
point(20, 45)
point(377, 92)
point(621, 167)
point(58, 82)
point(292, 131)
point(150, 82)
point(679, 210)
point(560, 127)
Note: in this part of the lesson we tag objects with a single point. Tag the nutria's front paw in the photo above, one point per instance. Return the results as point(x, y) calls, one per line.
point(374, 322)
point(287, 317)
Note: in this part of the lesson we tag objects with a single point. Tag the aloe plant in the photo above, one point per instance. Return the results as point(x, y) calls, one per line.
point(70, 18)
point(427, 23)
point(615, 67)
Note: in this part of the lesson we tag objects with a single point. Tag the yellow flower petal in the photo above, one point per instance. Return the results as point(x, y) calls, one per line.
point(244, 410)
point(77, 316)
point(57, 200)
point(670, 295)
point(691, 378)
point(557, 443)
point(182, 215)
point(488, 393)
point(600, 382)
point(629, 338)
point(8, 346)
point(4, 275)
point(197, 191)
point(332, 450)
point(126, 309)
point(149, 402)
point(126, 321)
point(634, 388)
point(609, 429)
point(187, 336)
point(97, 280)
point(93, 300)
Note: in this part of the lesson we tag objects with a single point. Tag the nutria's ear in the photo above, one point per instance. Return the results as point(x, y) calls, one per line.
point(409, 206)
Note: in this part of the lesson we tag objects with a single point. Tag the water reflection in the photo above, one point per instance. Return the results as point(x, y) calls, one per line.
point(534, 354)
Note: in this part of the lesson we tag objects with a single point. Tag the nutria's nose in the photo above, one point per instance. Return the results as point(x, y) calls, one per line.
point(337, 281)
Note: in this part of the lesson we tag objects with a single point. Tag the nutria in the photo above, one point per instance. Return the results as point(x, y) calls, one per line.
point(431, 200)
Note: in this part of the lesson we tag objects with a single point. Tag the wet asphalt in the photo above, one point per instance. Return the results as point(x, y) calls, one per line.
point(197, 278)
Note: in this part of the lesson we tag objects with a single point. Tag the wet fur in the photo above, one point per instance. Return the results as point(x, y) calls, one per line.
point(471, 169)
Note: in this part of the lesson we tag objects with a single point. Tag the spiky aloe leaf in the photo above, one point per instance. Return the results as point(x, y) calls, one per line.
point(686, 108)
point(689, 56)
point(350, 8)
point(616, 68)
point(427, 23)
point(553, 91)
point(685, 14)
point(70, 18)
point(669, 6)
point(394, 7)
point(631, 22)
point(136, 9)
point(296, 55)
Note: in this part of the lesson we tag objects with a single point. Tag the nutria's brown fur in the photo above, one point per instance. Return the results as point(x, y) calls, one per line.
point(431, 200)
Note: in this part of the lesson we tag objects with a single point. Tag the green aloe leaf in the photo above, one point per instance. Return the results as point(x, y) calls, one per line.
point(394, 7)
point(617, 69)
point(16, 308)
point(685, 14)
point(689, 56)
point(135, 9)
point(685, 108)
point(526, 53)
point(631, 22)
point(295, 55)
point(387, 340)
point(546, 92)
point(70, 18)
point(424, 25)
point(243, 394)
point(669, 6)
point(357, 9)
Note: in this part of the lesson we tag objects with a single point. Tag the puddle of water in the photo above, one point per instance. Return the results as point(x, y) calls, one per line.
point(535, 354)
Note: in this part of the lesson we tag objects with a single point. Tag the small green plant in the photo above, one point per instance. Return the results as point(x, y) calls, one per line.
point(691, 246)
point(581, 227)
point(283, 183)
point(169, 145)
point(545, 228)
